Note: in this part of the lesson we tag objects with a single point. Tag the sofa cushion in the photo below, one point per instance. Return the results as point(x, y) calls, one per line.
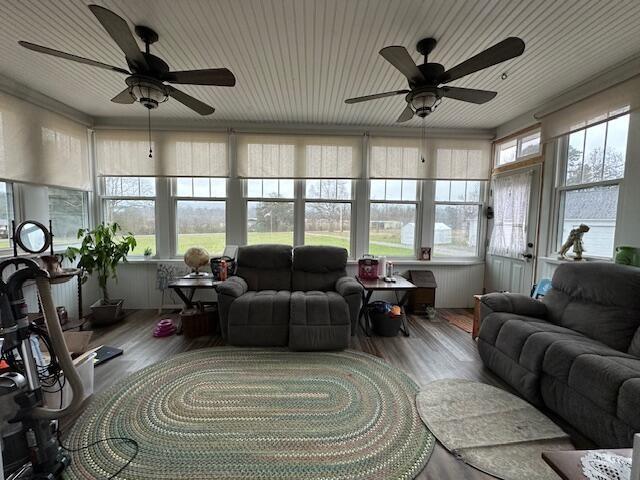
point(593, 370)
point(513, 346)
point(260, 318)
point(265, 267)
point(318, 268)
point(605, 429)
point(597, 299)
point(629, 401)
point(319, 321)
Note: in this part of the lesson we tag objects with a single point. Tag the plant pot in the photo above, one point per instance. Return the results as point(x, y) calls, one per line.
point(148, 257)
point(107, 312)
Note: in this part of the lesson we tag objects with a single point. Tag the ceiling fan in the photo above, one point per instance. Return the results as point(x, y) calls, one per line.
point(146, 80)
point(425, 92)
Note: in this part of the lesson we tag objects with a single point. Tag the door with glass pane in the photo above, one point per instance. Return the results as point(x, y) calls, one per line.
point(512, 231)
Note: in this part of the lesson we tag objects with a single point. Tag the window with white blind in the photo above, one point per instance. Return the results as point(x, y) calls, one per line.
point(591, 170)
point(40, 147)
point(131, 203)
point(433, 158)
point(298, 156)
point(200, 211)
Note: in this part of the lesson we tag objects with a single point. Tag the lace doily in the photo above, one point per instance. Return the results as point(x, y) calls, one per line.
point(606, 466)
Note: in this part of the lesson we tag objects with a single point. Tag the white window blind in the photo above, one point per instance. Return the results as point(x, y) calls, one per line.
point(298, 156)
point(443, 159)
point(175, 154)
point(39, 146)
point(601, 107)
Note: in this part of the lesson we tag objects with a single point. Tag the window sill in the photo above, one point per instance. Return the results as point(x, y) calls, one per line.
point(438, 262)
point(559, 261)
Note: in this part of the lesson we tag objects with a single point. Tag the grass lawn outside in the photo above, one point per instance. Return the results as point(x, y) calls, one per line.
point(380, 244)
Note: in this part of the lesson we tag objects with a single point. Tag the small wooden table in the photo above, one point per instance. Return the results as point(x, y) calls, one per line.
point(185, 287)
point(400, 285)
point(567, 464)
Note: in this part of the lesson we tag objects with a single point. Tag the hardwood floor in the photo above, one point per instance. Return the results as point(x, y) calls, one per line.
point(436, 349)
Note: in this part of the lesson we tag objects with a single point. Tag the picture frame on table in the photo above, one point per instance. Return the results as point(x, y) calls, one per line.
point(425, 253)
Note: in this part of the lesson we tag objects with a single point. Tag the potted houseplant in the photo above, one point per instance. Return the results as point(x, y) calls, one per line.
point(100, 251)
point(148, 253)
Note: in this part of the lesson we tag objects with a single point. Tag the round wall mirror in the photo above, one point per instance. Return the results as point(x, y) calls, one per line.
point(32, 237)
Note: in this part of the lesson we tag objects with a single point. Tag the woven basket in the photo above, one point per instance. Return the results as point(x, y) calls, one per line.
point(197, 322)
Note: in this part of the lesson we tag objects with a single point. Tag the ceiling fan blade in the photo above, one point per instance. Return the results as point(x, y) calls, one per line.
point(469, 94)
point(119, 30)
point(211, 76)
point(375, 96)
point(509, 48)
point(400, 58)
point(68, 56)
point(193, 103)
point(124, 97)
point(406, 115)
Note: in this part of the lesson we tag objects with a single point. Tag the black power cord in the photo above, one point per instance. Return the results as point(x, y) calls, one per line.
point(130, 441)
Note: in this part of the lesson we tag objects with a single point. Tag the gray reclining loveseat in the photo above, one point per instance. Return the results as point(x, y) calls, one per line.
point(576, 352)
point(301, 298)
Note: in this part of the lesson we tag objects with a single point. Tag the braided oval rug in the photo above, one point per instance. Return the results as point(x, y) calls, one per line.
point(227, 413)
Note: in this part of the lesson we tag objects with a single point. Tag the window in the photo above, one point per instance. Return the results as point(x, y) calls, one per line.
point(68, 211)
point(589, 184)
point(6, 215)
point(200, 205)
point(327, 213)
point(392, 217)
point(520, 148)
point(457, 218)
point(270, 211)
point(130, 202)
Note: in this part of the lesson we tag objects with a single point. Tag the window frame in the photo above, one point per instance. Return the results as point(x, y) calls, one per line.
point(480, 204)
point(295, 200)
point(104, 198)
point(350, 202)
point(11, 216)
point(419, 218)
point(561, 188)
point(175, 198)
point(518, 139)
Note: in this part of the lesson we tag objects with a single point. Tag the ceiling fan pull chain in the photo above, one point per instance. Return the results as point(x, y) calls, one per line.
point(150, 150)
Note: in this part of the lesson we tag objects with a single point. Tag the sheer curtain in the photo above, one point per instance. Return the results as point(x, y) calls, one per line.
point(511, 195)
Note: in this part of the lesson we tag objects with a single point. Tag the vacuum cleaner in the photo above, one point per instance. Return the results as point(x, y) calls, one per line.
point(28, 430)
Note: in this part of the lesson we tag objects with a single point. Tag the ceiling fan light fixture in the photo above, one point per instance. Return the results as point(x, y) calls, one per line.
point(149, 94)
point(425, 103)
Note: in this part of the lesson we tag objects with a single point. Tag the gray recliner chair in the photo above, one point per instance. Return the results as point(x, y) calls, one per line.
point(301, 298)
point(576, 352)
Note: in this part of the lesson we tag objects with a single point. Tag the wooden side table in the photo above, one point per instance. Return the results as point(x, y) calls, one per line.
point(567, 464)
point(185, 287)
point(400, 285)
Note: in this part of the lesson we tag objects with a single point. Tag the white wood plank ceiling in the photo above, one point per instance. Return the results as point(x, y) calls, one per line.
point(297, 60)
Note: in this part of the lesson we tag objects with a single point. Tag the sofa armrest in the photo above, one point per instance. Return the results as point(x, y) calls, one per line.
point(233, 287)
point(348, 286)
point(516, 303)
